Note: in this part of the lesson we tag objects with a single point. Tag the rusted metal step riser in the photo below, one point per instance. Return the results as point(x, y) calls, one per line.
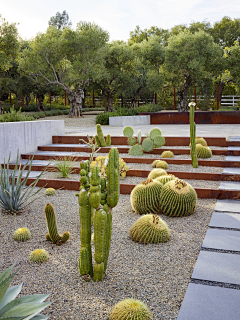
point(170, 141)
point(127, 188)
point(208, 163)
point(126, 149)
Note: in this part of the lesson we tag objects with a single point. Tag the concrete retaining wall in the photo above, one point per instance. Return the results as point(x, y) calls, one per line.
point(27, 136)
point(129, 121)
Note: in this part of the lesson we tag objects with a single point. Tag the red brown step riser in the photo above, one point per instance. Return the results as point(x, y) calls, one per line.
point(170, 141)
point(208, 163)
point(145, 173)
point(125, 150)
point(127, 188)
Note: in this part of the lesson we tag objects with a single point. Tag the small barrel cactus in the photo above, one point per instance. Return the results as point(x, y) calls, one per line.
point(156, 173)
point(128, 132)
point(50, 191)
point(155, 163)
point(39, 255)
point(22, 234)
point(166, 178)
point(203, 152)
point(132, 141)
point(149, 229)
point(130, 309)
point(147, 145)
point(154, 133)
point(167, 154)
point(145, 197)
point(136, 150)
point(201, 141)
point(178, 199)
point(162, 164)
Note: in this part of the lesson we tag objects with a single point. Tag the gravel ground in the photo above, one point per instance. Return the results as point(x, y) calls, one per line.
point(157, 274)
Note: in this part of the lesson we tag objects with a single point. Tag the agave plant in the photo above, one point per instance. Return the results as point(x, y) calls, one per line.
point(23, 308)
point(12, 197)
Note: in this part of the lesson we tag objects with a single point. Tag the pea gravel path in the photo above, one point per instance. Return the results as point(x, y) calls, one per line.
point(157, 274)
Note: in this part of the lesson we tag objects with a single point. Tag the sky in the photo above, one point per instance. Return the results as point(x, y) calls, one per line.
point(118, 17)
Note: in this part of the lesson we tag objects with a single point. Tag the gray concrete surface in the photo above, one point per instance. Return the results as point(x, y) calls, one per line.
point(129, 121)
point(204, 130)
point(225, 220)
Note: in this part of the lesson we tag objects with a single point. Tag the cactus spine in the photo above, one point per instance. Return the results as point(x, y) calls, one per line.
point(94, 192)
point(192, 137)
point(53, 234)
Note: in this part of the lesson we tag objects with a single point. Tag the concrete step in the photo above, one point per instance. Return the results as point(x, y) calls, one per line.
point(233, 158)
point(235, 171)
point(228, 206)
point(225, 220)
point(222, 240)
point(229, 185)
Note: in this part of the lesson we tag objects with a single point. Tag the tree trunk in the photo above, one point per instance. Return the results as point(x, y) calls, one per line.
point(76, 100)
point(221, 87)
point(40, 98)
point(182, 96)
point(109, 106)
point(28, 99)
point(134, 101)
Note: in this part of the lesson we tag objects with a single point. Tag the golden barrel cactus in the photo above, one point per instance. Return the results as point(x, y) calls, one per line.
point(178, 199)
point(203, 152)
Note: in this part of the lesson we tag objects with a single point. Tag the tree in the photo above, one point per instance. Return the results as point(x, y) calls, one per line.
point(226, 32)
point(60, 21)
point(118, 69)
point(67, 58)
point(139, 35)
point(190, 58)
point(9, 47)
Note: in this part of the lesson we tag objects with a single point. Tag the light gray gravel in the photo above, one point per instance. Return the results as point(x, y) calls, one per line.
point(157, 274)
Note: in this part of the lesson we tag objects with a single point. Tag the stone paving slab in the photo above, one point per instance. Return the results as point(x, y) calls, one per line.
point(228, 206)
point(229, 185)
point(233, 158)
point(216, 266)
point(225, 220)
point(234, 138)
point(35, 162)
point(222, 240)
point(231, 171)
point(72, 145)
point(53, 153)
point(203, 302)
point(33, 174)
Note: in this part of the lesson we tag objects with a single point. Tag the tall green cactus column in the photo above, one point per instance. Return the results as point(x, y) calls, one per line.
point(192, 136)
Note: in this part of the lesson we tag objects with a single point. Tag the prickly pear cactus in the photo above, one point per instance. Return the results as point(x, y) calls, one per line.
point(149, 229)
point(130, 309)
point(136, 150)
point(178, 199)
point(154, 133)
point(53, 234)
point(203, 152)
point(147, 145)
point(132, 141)
point(159, 141)
point(128, 132)
point(145, 197)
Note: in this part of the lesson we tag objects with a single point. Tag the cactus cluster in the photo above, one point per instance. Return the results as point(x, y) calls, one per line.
point(165, 194)
point(101, 162)
point(160, 164)
point(156, 173)
point(130, 309)
point(149, 229)
point(99, 138)
point(145, 197)
point(167, 154)
point(203, 151)
point(53, 234)
point(155, 140)
point(97, 195)
point(39, 255)
point(178, 199)
point(22, 234)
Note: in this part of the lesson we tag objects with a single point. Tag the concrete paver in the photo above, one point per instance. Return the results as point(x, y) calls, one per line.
point(222, 240)
point(225, 220)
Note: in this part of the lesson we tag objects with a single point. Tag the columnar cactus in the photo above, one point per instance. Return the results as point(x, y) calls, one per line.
point(94, 193)
point(53, 234)
point(100, 136)
point(192, 136)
